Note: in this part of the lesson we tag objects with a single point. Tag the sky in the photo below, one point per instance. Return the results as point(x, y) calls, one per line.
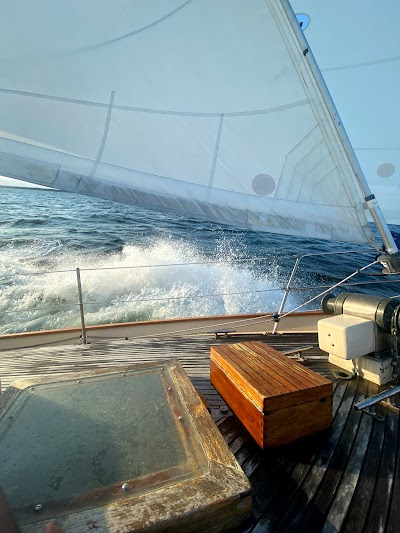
point(10, 182)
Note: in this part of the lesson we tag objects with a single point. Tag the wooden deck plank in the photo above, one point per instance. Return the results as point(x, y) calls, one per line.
point(361, 499)
point(393, 519)
point(340, 505)
point(327, 489)
point(381, 500)
point(308, 490)
point(325, 481)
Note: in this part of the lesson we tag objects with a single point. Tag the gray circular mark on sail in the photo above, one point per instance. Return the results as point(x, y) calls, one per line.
point(386, 170)
point(263, 184)
point(304, 20)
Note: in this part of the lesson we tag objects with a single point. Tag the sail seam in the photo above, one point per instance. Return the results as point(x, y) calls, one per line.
point(307, 175)
point(319, 182)
point(216, 151)
point(139, 30)
point(105, 133)
point(299, 103)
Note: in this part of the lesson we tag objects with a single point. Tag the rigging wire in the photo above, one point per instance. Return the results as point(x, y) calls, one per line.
point(207, 295)
point(138, 30)
point(249, 321)
point(328, 290)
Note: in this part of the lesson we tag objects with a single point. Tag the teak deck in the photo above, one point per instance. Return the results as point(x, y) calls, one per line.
point(346, 478)
point(277, 399)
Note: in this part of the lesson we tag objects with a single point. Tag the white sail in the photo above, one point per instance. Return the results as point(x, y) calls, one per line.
point(204, 108)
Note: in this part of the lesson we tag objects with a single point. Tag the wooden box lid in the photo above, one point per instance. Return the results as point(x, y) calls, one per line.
point(270, 379)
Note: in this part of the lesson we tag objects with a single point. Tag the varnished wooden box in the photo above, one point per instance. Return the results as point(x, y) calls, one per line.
point(278, 400)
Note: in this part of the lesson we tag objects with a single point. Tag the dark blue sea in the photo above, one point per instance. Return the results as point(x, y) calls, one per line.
point(141, 265)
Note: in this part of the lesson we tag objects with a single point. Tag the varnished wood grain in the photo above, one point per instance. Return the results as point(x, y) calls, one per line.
point(299, 403)
point(268, 378)
point(288, 425)
point(251, 416)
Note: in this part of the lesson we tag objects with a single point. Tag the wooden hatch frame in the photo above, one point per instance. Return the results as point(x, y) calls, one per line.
point(217, 499)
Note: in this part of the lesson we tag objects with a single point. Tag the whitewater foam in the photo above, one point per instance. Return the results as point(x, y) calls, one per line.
point(166, 279)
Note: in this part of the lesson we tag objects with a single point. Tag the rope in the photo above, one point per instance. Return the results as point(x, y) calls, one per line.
point(344, 375)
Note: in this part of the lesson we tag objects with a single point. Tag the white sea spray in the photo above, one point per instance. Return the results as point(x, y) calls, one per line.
point(141, 265)
point(167, 279)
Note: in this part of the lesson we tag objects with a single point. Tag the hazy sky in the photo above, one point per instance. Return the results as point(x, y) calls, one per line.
point(10, 182)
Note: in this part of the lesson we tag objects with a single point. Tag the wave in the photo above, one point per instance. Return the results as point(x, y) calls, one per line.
point(29, 222)
point(142, 265)
point(165, 279)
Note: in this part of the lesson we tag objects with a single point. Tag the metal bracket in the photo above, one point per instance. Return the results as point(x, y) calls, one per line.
point(370, 403)
point(296, 353)
point(373, 414)
point(391, 405)
point(222, 332)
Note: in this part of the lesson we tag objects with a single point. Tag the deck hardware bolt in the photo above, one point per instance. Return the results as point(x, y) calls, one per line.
point(125, 486)
point(38, 507)
point(223, 408)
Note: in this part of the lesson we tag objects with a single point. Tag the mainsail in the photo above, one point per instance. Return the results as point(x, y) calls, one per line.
point(208, 109)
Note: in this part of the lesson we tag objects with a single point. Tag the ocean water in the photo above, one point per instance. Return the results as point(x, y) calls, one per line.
point(137, 264)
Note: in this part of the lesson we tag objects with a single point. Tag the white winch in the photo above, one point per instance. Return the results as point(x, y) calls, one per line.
point(361, 336)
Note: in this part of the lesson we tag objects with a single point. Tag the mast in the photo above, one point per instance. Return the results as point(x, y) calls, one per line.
point(370, 201)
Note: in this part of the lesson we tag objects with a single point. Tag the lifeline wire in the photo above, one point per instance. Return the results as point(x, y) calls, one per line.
point(257, 320)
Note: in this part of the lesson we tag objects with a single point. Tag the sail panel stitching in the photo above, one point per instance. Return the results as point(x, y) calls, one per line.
point(105, 133)
point(216, 151)
point(299, 103)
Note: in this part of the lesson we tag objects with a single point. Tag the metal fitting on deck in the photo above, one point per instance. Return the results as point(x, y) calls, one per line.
point(375, 308)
